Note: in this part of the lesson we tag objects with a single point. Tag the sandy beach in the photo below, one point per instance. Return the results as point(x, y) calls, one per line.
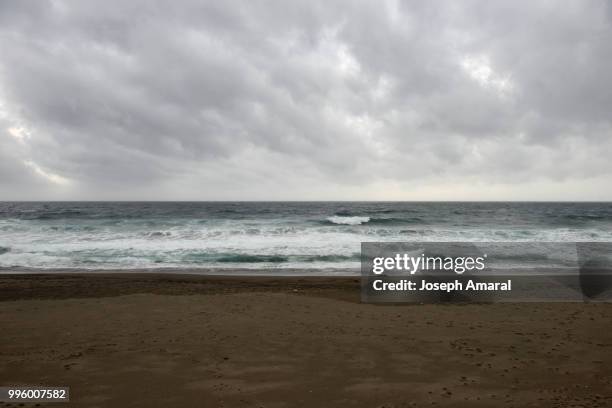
point(146, 340)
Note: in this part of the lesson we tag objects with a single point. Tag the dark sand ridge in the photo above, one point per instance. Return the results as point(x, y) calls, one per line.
point(145, 340)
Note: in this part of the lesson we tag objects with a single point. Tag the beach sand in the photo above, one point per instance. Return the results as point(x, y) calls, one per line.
point(145, 340)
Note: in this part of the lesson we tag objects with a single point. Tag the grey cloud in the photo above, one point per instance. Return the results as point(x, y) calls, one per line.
point(301, 100)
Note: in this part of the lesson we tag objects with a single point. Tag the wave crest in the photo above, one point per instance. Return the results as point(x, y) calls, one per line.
point(344, 220)
point(359, 220)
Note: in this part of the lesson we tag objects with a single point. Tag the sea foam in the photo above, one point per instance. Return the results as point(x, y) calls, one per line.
point(337, 219)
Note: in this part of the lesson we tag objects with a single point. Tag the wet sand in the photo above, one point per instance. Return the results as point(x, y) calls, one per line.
point(146, 340)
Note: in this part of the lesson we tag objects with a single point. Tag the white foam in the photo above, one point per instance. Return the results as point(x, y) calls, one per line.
point(336, 219)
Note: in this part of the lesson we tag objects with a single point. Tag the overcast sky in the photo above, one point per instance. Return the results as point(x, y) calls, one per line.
point(254, 100)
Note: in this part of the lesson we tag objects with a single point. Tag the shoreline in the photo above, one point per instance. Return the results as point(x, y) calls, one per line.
point(197, 271)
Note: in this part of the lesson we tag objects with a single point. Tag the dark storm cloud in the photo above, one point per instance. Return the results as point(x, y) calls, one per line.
point(303, 100)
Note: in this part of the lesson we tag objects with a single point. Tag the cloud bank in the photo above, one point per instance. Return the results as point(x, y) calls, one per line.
point(305, 100)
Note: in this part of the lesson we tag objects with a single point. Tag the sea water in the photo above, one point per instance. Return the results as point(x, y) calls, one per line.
point(269, 236)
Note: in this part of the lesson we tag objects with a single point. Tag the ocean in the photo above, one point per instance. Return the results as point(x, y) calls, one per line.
point(269, 237)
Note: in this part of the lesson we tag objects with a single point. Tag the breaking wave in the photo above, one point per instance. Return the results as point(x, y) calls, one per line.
point(360, 220)
point(346, 220)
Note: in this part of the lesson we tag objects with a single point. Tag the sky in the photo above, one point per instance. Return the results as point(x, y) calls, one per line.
point(305, 100)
